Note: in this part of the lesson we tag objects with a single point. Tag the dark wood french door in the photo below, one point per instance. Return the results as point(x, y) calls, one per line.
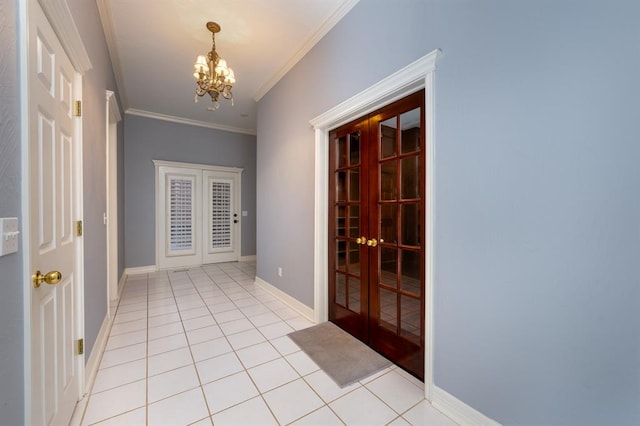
point(376, 230)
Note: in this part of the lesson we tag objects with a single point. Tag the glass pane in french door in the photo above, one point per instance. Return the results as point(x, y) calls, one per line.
point(348, 256)
point(397, 283)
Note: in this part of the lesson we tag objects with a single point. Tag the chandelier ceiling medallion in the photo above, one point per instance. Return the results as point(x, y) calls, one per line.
point(212, 74)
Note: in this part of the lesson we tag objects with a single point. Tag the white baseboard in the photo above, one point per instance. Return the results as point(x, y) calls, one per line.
point(293, 303)
point(251, 258)
point(123, 278)
point(457, 410)
point(93, 362)
point(140, 270)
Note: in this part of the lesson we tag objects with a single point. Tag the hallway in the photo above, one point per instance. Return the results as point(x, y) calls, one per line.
point(206, 345)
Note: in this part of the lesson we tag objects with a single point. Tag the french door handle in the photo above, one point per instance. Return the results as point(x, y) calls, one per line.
point(372, 242)
point(361, 240)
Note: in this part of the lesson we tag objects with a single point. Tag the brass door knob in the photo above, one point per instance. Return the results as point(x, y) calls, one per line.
point(51, 278)
point(361, 240)
point(372, 242)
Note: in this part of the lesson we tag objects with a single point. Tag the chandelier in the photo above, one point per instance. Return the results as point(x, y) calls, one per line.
point(212, 74)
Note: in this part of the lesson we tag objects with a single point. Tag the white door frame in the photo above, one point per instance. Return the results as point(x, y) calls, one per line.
point(112, 118)
point(415, 76)
point(198, 236)
point(62, 22)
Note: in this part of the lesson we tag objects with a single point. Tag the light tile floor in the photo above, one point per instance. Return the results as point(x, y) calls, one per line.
point(206, 346)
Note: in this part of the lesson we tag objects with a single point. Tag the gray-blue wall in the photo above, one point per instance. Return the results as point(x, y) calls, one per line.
point(537, 242)
point(11, 284)
point(149, 139)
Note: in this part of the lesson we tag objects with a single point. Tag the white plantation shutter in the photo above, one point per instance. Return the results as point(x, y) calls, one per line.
point(222, 237)
point(179, 197)
point(180, 214)
point(220, 214)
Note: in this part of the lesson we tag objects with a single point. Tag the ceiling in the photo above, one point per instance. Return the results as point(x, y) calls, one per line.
point(154, 43)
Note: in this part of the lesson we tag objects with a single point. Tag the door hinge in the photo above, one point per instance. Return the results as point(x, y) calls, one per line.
point(77, 109)
point(80, 346)
point(79, 228)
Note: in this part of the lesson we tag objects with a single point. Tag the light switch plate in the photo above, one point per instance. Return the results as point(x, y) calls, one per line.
point(9, 234)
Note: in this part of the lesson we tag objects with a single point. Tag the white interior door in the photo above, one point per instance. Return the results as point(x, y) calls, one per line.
point(53, 172)
point(222, 218)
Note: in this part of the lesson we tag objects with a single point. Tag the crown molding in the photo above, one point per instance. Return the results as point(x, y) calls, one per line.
point(104, 9)
point(188, 121)
point(335, 17)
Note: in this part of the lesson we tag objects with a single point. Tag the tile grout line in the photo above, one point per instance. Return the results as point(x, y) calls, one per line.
point(91, 393)
point(245, 370)
point(201, 289)
point(204, 396)
point(239, 359)
point(146, 360)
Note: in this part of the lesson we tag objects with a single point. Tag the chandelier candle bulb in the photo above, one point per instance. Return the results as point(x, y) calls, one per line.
point(213, 75)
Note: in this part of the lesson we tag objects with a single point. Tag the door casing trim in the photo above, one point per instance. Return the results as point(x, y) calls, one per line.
point(415, 76)
point(112, 118)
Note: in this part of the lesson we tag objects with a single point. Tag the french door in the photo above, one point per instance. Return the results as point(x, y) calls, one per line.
point(376, 230)
point(197, 214)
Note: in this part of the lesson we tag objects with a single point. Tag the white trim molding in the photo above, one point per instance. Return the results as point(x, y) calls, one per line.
point(249, 258)
point(62, 22)
point(138, 270)
point(457, 410)
point(208, 167)
point(114, 109)
point(104, 9)
point(415, 76)
point(91, 369)
point(188, 121)
point(293, 303)
point(121, 282)
point(336, 16)
point(112, 117)
point(93, 361)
